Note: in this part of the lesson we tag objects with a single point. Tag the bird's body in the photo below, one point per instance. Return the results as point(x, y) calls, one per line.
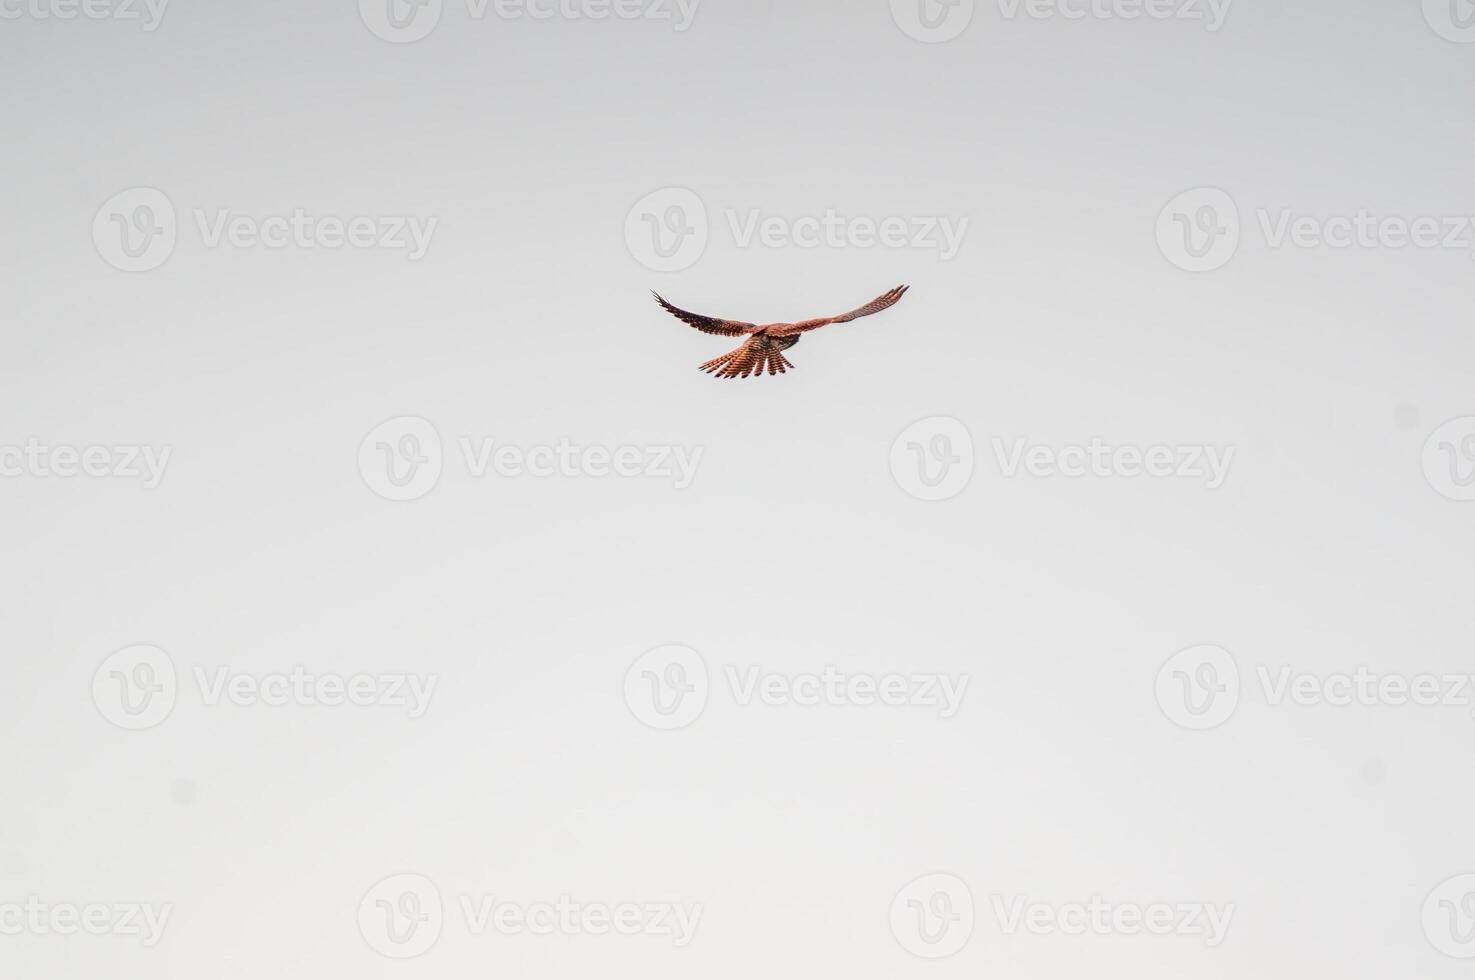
point(763, 350)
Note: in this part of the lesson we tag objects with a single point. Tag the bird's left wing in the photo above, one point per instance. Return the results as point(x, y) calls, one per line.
point(882, 302)
point(706, 324)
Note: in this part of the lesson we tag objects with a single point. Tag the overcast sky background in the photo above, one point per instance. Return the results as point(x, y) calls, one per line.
point(1057, 147)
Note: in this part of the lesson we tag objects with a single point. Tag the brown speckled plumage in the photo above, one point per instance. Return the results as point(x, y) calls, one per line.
point(763, 351)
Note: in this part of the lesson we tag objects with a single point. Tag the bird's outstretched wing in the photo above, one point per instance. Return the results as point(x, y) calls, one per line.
point(882, 302)
point(706, 324)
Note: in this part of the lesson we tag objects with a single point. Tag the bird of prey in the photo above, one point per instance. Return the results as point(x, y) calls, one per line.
point(766, 343)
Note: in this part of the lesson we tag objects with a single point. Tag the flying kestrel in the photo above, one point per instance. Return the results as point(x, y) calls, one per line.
point(763, 350)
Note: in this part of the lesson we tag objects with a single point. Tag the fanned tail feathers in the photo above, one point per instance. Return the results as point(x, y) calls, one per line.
point(757, 355)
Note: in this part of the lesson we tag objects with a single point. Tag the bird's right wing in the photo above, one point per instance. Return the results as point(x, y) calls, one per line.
point(883, 302)
point(706, 324)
